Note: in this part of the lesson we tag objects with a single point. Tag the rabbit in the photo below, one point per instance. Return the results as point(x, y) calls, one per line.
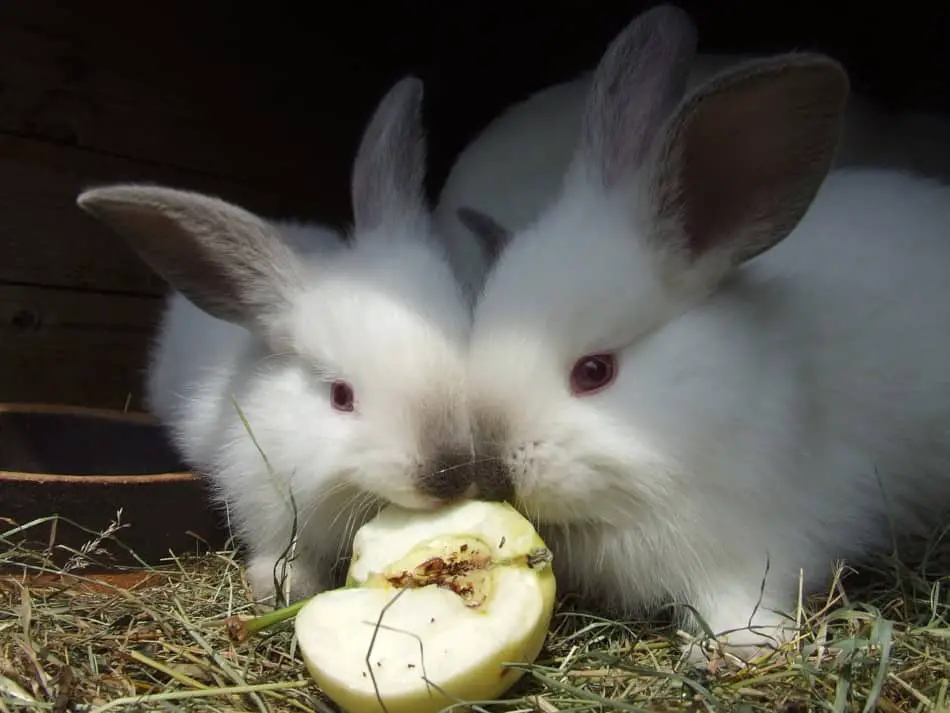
point(713, 362)
point(513, 167)
point(344, 358)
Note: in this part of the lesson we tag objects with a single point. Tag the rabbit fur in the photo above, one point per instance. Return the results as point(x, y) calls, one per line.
point(344, 358)
point(512, 169)
point(772, 340)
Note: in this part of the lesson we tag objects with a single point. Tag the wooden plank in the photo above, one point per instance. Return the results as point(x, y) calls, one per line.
point(74, 347)
point(161, 83)
point(85, 584)
point(46, 240)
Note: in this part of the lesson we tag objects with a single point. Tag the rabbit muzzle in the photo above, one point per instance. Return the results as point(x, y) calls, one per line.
point(457, 476)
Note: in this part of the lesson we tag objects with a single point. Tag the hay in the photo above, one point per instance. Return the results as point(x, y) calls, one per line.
point(73, 643)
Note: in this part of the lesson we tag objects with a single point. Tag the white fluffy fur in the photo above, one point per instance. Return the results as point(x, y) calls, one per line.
point(753, 426)
point(384, 312)
point(513, 168)
point(390, 320)
point(780, 422)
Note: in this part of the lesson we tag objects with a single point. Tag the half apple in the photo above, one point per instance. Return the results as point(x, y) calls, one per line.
point(435, 604)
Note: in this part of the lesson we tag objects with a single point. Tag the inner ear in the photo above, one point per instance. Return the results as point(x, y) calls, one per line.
point(742, 158)
point(490, 234)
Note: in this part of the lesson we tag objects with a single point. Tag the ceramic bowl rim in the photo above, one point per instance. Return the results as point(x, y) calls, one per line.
point(90, 412)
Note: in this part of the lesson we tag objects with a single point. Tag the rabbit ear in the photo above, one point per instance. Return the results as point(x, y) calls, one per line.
point(741, 160)
point(490, 234)
point(639, 80)
point(388, 180)
point(228, 262)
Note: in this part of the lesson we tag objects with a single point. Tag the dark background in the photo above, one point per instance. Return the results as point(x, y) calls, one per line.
point(301, 77)
point(263, 104)
point(476, 57)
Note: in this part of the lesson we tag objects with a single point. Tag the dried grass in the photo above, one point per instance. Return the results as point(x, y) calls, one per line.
point(74, 643)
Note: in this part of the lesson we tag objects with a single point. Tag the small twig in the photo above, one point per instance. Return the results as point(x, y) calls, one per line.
point(215, 656)
point(240, 629)
point(422, 654)
point(912, 691)
point(543, 704)
point(12, 689)
point(372, 643)
point(204, 693)
point(172, 673)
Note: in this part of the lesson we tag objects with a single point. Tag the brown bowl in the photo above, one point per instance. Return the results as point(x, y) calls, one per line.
point(84, 465)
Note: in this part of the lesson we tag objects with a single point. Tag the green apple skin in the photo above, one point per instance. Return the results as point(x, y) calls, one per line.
point(517, 594)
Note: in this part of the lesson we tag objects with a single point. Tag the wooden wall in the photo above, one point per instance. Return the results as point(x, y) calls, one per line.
point(263, 104)
point(91, 93)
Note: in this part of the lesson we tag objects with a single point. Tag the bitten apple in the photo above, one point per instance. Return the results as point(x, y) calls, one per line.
point(435, 603)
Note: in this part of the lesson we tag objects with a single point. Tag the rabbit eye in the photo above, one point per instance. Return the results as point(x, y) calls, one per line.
point(341, 396)
point(592, 373)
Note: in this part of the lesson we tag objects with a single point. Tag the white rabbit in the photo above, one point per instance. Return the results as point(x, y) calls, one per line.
point(513, 168)
point(345, 359)
point(688, 424)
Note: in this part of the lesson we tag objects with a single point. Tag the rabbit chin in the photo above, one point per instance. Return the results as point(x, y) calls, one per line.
point(409, 499)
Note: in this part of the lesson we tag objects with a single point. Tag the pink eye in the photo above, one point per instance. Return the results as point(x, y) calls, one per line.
point(341, 396)
point(593, 373)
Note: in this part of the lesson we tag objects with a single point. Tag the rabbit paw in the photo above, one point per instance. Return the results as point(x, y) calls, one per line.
point(745, 630)
point(264, 573)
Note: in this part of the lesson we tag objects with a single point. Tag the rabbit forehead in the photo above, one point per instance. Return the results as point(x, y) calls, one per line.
point(577, 281)
point(396, 317)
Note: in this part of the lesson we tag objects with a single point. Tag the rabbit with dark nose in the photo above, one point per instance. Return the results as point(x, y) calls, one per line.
point(513, 168)
point(311, 378)
point(712, 363)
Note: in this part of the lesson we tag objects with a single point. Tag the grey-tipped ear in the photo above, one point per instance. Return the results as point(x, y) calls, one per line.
point(639, 80)
point(492, 237)
point(389, 170)
point(228, 262)
point(741, 160)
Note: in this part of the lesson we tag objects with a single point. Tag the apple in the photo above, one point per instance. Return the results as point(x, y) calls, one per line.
point(435, 604)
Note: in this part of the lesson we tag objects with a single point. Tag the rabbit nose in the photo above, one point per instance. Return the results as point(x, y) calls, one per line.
point(493, 482)
point(451, 475)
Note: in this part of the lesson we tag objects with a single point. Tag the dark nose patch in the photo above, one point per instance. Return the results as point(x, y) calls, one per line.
point(451, 476)
point(448, 476)
point(493, 481)
point(493, 477)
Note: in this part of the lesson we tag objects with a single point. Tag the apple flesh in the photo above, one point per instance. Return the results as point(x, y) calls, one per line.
point(435, 604)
